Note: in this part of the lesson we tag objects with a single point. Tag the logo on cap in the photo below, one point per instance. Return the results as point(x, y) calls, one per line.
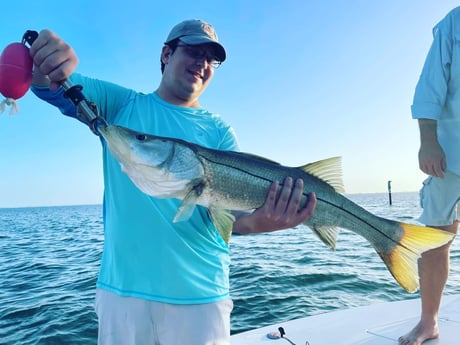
point(209, 30)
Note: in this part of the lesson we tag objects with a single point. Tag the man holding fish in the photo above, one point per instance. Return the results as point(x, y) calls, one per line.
point(163, 282)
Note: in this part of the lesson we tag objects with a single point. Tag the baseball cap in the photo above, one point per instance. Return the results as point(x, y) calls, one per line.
point(194, 32)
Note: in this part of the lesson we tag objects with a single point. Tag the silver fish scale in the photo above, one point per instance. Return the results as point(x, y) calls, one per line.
point(239, 181)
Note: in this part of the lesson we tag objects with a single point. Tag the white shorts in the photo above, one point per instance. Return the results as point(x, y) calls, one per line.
point(134, 321)
point(440, 200)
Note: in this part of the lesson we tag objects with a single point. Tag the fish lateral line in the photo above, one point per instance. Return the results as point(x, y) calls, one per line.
point(384, 234)
point(305, 194)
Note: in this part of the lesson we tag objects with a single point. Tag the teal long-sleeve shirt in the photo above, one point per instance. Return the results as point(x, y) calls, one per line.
point(145, 254)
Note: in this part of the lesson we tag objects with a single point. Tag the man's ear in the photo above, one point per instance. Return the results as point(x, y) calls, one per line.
point(165, 54)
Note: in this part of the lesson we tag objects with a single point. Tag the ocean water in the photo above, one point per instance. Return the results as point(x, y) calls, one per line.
point(49, 258)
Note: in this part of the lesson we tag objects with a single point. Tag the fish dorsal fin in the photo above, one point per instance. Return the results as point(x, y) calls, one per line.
point(329, 170)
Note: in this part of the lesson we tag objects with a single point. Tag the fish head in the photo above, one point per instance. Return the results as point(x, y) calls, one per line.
point(159, 166)
point(133, 147)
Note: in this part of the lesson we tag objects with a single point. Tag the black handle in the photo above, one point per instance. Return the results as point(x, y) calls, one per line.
point(29, 37)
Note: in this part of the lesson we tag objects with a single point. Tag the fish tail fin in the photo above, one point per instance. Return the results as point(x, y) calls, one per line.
point(402, 261)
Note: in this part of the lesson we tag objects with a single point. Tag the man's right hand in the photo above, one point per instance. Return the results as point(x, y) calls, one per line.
point(431, 157)
point(53, 58)
point(432, 160)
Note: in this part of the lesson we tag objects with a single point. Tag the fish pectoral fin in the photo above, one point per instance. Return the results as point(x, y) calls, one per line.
point(223, 221)
point(328, 170)
point(327, 234)
point(187, 206)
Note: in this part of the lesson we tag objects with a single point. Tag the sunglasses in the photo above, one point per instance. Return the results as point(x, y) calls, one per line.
point(200, 52)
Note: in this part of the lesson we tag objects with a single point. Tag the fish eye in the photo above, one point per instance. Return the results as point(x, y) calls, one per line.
point(141, 137)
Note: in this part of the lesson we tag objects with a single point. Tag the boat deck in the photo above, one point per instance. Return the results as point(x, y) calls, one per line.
point(377, 324)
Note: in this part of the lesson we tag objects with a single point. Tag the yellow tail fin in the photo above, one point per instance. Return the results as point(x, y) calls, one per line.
point(402, 261)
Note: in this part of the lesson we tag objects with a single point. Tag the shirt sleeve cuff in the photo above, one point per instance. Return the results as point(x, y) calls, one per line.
point(56, 98)
point(430, 111)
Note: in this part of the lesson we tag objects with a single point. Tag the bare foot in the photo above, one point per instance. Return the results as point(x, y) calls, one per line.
point(419, 334)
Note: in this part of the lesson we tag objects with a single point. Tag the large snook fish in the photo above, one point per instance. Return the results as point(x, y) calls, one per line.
point(225, 180)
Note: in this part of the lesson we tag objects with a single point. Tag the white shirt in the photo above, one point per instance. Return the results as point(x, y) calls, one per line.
point(437, 95)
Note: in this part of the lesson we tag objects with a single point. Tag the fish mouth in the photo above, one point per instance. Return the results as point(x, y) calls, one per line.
point(117, 143)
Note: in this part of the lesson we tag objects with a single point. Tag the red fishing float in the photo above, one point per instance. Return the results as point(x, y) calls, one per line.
point(15, 74)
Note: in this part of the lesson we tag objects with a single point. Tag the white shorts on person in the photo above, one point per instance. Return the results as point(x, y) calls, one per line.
point(135, 321)
point(440, 200)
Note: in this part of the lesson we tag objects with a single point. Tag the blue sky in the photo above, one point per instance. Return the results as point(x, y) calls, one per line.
point(304, 80)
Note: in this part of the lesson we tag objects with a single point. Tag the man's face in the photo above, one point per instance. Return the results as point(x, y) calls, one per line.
point(189, 69)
